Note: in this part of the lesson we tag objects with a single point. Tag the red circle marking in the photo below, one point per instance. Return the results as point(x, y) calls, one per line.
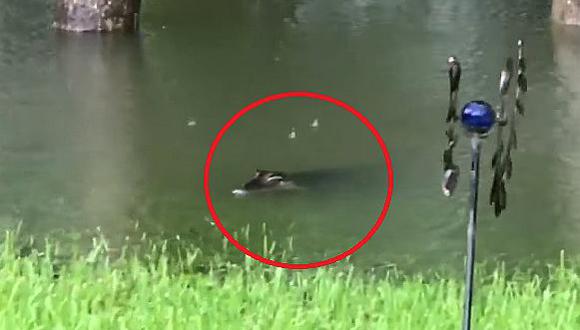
point(315, 96)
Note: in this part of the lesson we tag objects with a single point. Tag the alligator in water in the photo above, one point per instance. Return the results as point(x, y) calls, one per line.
point(266, 181)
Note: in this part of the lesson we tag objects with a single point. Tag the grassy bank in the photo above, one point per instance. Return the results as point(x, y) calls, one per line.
point(186, 290)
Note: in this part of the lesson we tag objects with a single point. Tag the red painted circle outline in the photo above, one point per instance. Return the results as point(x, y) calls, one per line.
point(310, 95)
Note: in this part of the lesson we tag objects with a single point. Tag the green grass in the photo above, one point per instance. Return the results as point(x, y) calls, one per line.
point(168, 287)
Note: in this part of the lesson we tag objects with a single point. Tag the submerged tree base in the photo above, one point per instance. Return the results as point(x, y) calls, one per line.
point(183, 289)
point(97, 15)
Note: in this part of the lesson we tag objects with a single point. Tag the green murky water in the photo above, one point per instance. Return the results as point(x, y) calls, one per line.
point(98, 130)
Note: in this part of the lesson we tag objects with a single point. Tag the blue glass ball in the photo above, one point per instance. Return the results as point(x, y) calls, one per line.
point(478, 117)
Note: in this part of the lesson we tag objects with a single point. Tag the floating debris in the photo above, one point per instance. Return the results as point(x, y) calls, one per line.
point(292, 134)
point(314, 123)
point(191, 123)
point(209, 220)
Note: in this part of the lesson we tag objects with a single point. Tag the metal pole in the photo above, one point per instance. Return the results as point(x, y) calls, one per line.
point(471, 227)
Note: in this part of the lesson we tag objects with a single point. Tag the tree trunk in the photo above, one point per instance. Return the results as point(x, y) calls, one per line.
point(566, 11)
point(97, 15)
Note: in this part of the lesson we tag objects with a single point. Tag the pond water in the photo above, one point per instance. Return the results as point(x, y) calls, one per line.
point(100, 130)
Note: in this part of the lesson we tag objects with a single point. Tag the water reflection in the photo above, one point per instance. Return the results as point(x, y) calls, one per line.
point(566, 42)
point(69, 156)
point(99, 74)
